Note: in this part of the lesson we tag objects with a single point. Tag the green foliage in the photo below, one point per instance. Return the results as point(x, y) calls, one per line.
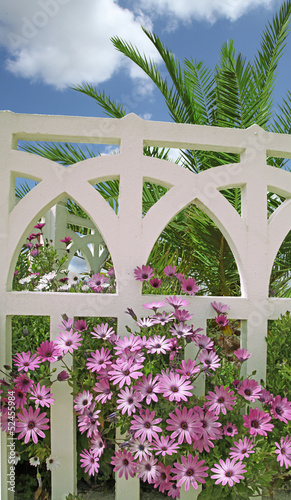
point(279, 356)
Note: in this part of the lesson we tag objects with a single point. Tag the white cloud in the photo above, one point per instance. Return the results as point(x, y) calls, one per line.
point(64, 42)
point(209, 10)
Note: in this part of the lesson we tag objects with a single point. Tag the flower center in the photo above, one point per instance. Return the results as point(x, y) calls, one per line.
point(163, 476)
point(247, 392)
point(207, 362)
point(278, 411)
point(204, 424)
point(69, 342)
point(48, 354)
point(189, 288)
point(220, 400)
point(228, 473)
point(145, 276)
point(148, 467)
point(85, 402)
point(244, 450)
point(26, 364)
point(158, 346)
point(149, 390)
point(254, 424)
point(184, 425)
point(125, 462)
point(31, 425)
point(229, 429)
point(130, 401)
point(283, 451)
point(147, 425)
point(174, 389)
point(126, 372)
point(141, 447)
point(92, 460)
point(190, 472)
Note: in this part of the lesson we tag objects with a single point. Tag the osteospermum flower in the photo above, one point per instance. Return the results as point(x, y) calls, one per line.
point(284, 451)
point(88, 421)
point(20, 398)
point(124, 463)
point(258, 422)
point(34, 461)
point(190, 472)
point(163, 480)
point(128, 401)
point(146, 322)
point(23, 383)
point(140, 449)
point(170, 271)
point(156, 282)
point(83, 401)
point(188, 369)
point(182, 315)
point(122, 372)
point(242, 449)
point(219, 307)
point(180, 330)
point(31, 424)
point(158, 344)
point(177, 302)
point(209, 360)
point(228, 472)
point(68, 341)
point(221, 320)
point(98, 445)
point(99, 360)
point(52, 463)
point(145, 426)
point(97, 280)
point(48, 351)
point(26, 361)
point(147, 469)
point(174, 491)
point(203, 341)
point(163, 318)
point(133, 343)
point(229, 429)
point(220, 400)
point(184, 425)
point(147, 387)
point(154, 305)
point(175, 387)
point(242, 354)
point(189, 286)
point(42, 395)
point(281, 409)
point(145, 273)
point(90, 460)
point(102, 331)
point(165, 446)
point(104, 389)
point(250, 390)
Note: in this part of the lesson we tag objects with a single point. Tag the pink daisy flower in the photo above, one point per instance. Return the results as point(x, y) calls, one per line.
point(89, 421)
point(83, 401)
point(182, 315)
point(145, 426)
point(104, 388)
point(147, 469)
point(189, 286)
point(209, 421)
point(188, 369)
point(242, 449)
point(98, 445)
point(68, 341)
point(140, 449)
point(145, 273)
point(190, 472)
point(67, 323)
point(184, 425)
point(97, 280)
point(229, 429)
point(122, 372)
point(228, 472)
point(154, 305)
point(242, 354)
point(23, 383)
point(48, 351)
point(250, 390)
point(175, 387)
point(128, 401)
point(163, 318)
point(265, 396)
point(156, 283)
point(124, 463)
point(219, 307)
point(163, 480)
point(67, 240)
point(158, 345)
point(174, 491)
point(99, 360)
point(203, 341)
point(165, 446)
point(220, 400)
point(42, 395)
point(257, 422)
point(209, 360)
point(20, 398)
point(281, 409)
point(221, 320)
point(284, 451)
point(102, 331)
point(180, 330)
point(26, 361)
point(148, 388)
point(90, 460)
point(80, 325)
point(177, 302)
point(133, 343)
point(170, 271)
point(31, 424)
point(146, 322)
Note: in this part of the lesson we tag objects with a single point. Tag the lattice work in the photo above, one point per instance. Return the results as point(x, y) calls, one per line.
point(253, 238)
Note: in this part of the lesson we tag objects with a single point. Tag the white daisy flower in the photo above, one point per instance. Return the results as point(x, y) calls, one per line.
point(34, 461)
point(52, 463)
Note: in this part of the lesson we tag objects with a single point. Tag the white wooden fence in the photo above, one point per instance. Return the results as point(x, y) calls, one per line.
point(253, 238)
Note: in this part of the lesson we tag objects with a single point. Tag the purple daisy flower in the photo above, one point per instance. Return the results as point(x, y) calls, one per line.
point(140, 449)
point(228, 472)
point(31, 424)
point(158, 344)
point(170, 271)
point(221, 320)
point(219, 307)
point(175, 387)
point(258, 422)
point(148, 388)
point(124, 463)
point(156, 283)
point(23, 383)
point(284, 451)
point(177, 302)
point(102, 331)
point(99, 360)
point(250, 390)
point(163, 480)
point(128, 401)
point(122, 372)
point(83, 401)
point(184, 425)
point(190, 472)
point(180, 330)
point(242, 449)
point(229, 429)
point(90, 460)
point(147, 469)
point(48, 351)
point(104, 389)
point(68, 341)
point(189, 286)
point(209, 360)
point(281, 409)
point(154, 305)
point(42, 395)
point(220, 400)
point(165, 446)
point(145, 426)
point(242, 354)
point(145, 273)
point(188, 369)
point(26, 361)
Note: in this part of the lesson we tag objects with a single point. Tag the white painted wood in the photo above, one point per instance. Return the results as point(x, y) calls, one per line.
point(253, 239)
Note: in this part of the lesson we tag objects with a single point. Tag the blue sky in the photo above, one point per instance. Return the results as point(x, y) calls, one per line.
point(46, 45)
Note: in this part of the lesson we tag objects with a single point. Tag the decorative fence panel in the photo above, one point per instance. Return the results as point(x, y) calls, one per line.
point(253, 238)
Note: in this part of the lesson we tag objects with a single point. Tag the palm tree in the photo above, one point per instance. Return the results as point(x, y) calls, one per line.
point(237, 93)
